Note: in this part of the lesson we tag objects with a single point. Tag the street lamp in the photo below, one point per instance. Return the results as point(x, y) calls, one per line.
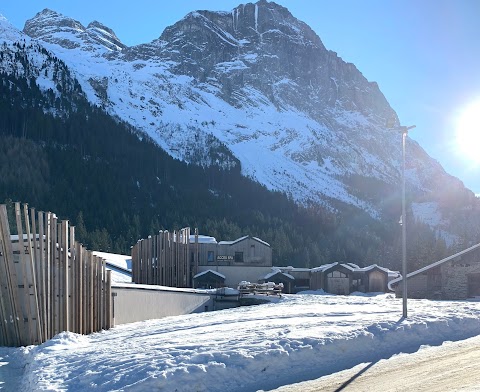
point(404, 130)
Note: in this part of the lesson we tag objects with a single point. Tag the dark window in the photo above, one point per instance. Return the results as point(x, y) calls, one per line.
point(239, 257)
point(302, 282)
point(210, 256)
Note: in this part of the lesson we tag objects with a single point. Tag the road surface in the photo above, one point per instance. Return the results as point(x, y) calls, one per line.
point(454, 366)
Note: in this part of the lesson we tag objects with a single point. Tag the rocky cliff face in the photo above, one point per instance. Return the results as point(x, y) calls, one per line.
point(255, 86)
point(51, 26)
point(263, 46)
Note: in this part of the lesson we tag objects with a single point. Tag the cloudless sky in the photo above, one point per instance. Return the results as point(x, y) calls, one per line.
point(424, 54)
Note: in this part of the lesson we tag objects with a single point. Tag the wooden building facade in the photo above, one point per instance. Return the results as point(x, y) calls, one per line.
point(244, 251)
point(346, 278)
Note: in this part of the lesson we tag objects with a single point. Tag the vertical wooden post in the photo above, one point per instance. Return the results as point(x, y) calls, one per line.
point(38, 274)
point(108, 297)
point(48, 274)
point(54, 271)
point(98, 327)
point(65, 275)
point(91, 303)
point(158, 259)
point(72, 280)
point(79, 288)
point(154, 259)
point(41, 267)
point(148, 256)
point(28, 332)
point(32, 277)
point(86, 291)
point(195, 256)
point(104, 296)
point(14, 321)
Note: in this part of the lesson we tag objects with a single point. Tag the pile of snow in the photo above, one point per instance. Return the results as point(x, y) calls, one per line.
point(243, 349)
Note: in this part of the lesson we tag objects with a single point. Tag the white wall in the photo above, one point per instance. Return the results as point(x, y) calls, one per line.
point(131, 302)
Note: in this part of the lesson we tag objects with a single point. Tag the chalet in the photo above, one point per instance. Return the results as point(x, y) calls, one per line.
point(453, 278)
point(334, 278)
point(345, 278)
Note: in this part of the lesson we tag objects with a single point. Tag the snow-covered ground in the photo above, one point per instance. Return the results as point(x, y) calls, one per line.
point(245, 349)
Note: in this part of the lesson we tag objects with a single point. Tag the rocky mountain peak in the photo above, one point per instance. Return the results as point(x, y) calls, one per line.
point(263, 46)
point(55, 28)
point(105, 35)
point(47, 23)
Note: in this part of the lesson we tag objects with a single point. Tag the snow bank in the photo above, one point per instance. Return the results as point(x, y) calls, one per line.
point(249, 348)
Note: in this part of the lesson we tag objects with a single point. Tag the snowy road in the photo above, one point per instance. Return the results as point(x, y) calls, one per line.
point(450, 367)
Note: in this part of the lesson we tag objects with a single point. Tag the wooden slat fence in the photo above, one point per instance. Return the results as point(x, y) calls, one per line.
point(164, 259)
point(49, 282)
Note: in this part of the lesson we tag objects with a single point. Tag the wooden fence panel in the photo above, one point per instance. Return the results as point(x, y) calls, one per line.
point(164, 259)
point(49, 283)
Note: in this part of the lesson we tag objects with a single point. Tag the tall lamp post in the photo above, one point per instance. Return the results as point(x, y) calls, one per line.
point(404, 131)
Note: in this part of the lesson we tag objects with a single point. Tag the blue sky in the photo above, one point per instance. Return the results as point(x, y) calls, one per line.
point(424, 54)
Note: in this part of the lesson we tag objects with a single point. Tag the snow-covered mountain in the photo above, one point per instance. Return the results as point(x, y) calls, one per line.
point(259, 82)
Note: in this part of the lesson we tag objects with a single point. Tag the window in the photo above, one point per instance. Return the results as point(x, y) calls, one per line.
point(210, 256)
point(336, 274)
point(238, 257)
point(252, 250)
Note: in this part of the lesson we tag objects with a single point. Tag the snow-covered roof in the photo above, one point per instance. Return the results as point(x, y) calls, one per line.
point(121, 261)
point(374, 266)
point(433, 265)
point(243, 238)
point(349, 267)
point(276, 272)
point(322, 268)
point(203, 239)
point(291, 269)
point(261, 241)
point(209, 271)
point(233, 242)
point(353, 265)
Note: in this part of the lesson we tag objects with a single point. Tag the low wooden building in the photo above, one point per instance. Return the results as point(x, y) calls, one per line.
point(346, 278)
point(277, 277)
point(208, 280)
point(374, 280)
point(455, 277)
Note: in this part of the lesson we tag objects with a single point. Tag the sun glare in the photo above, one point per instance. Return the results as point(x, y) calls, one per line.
point(468, 133)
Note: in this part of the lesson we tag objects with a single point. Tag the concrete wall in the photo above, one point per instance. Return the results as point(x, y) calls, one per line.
point(131, 303)
point(235, 274)
point(416, 287)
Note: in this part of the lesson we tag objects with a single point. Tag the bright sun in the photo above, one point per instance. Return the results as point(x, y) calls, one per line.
point(468, 133)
